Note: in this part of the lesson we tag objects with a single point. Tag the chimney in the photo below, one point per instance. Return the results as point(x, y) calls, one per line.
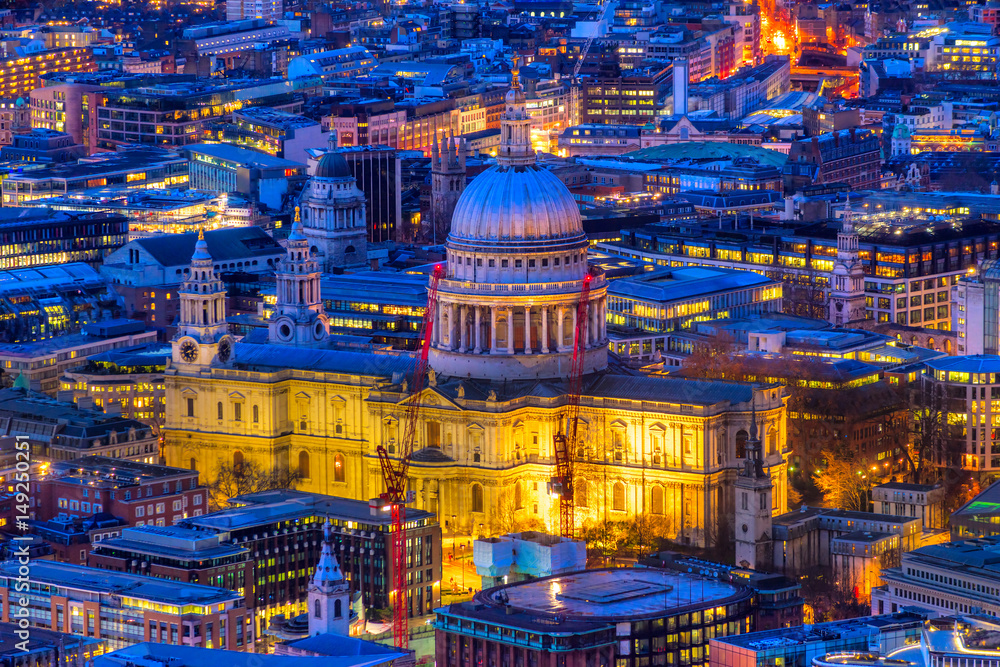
point(680, 86)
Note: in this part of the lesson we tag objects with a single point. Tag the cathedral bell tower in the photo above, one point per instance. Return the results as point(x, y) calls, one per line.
point(201, 330)
point(299, 318)
point(329, 594)
point(447, 184)
point(847, 296)
point(754, 487)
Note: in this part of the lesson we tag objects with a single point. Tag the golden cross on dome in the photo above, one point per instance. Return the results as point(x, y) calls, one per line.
point(201, 233)
point(515, 70)
point(297, 218)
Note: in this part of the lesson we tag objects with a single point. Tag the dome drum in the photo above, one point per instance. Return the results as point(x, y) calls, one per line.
point(515, 335)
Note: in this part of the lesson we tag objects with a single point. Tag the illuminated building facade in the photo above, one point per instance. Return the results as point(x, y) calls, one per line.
point(125, 609)
point(630, 99)
point(961, 391)
point(35, 237)
point(61, 431)
point(179, 114)
point(908, 275)
point(48, 301)
point(141, 167)
point(21, 75)
point(284, 532)
point(15, 116)
point(273, 132)
point(259, 176)
point(672, 299)
point(649, 616)
point(500, 353)
point(129, 380)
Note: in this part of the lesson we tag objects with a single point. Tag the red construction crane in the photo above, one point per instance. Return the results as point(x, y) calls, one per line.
point(395, 472)
point(565, 443)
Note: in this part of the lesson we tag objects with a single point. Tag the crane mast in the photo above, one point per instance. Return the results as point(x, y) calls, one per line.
point(565, 443)
point(395, 472)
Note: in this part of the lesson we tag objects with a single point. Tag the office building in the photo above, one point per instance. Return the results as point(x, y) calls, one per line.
point(126, 609)
point(671, 299)
point(127, 381)
point(284, 532)
point(624, 617)
point(179, 113)
point(68, 538)
point(346, 63)
point(22, 73)
point(46, 648)
point(37, 237)
point(387, 307)
point(979, 517)
point(138, 493)
point(923, 501)
point(62, 431)
point(135, 167)
point(806, 540)
point(976, 315)
point(632, 97)
point(39, 364)
point(945, 579)
point(276, 133)
point(259, 176)
point(802, 646)
point(909, 267)
point(959, 390)
point(15, 117)
point(268, 10)
point(64, 108)
point(378, 172)
point(178, 554)
point(319, 651)
point(49, 301)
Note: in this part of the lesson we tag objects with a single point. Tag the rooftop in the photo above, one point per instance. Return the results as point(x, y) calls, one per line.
point(807, 634)
point(610, 595)
point(977, 363)
point(130, 587)
point(678, 284)
point(158, 655)
point(223, 245)
point(110, 472)
point(241, 156)
point(266, 507)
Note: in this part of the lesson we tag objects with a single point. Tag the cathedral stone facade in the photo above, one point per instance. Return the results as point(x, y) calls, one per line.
point(665, 448)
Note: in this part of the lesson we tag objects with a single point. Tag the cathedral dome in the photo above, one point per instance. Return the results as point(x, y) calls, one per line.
point(514, 205)
point(333, 165)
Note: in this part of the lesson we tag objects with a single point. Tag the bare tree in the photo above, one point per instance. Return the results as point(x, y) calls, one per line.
point(248, 477)
point(843, 483)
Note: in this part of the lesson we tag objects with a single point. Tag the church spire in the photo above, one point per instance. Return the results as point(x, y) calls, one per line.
point(299, 317)
point(329, 593)
point(328, 572)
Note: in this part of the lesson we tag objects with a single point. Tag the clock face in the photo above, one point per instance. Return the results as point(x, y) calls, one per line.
point(745, 529)
point(189, 351)
point(225, 349)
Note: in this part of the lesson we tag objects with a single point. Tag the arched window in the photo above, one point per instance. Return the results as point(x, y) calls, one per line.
point(741, 444)
point(194, 464)
point(338, 608)
point(518, 496)
point(256, 414)
point(304, 465)
point(237, 460)
point(317, 610)
point(477, 498)
point(339, 469)
point(476, 458)
point(656, 500)
point(218, 409)
point(618, 497)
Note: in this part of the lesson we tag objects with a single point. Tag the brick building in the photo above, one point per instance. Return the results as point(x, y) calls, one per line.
point(139, 493)
point(845, 156)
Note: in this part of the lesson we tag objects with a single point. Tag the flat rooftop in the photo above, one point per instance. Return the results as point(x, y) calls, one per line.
point(806, 634)
point(78, 577)
point(683, 284)
point(266, 507)
point(611, 595)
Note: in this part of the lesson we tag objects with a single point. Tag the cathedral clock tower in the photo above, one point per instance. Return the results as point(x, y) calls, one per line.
point(753, 507)
point(201, 330)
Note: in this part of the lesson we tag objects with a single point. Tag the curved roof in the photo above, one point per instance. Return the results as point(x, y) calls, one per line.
point(975, 363)
point(709, 149)
point(333, 165)
point(516, 205)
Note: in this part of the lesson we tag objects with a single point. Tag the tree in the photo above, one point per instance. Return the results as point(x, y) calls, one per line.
point(843, 483)
point(248, 477)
